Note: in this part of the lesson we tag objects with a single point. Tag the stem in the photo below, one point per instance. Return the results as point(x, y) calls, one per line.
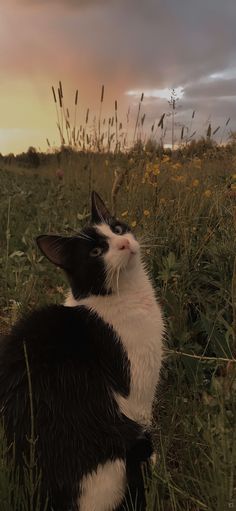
point(200, 357)
point(234, 305)
point(31, 439)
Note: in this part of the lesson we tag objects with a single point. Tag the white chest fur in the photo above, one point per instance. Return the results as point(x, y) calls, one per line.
point(136, 317)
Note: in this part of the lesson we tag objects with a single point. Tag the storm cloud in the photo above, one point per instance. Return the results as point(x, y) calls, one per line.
point(125, 45)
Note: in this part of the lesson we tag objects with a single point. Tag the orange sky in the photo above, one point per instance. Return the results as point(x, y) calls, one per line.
point(123, 44)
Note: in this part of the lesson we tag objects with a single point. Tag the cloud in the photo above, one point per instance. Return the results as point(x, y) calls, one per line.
point(123, 44)
point(139, 44)
point(51, 3)
point(213, 88)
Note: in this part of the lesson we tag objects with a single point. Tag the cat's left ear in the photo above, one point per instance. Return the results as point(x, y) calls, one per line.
point(56, 249)
point(100, 212)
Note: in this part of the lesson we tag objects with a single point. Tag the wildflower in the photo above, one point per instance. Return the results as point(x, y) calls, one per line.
point(177, 166)
point(134, 223)
point(146, 212)
point(156, 169)
point(165, 159)
point(152, 168)
point(60, 290)
point(207, 193)
point(197, 163)
point(59, 173)
point(178, 179)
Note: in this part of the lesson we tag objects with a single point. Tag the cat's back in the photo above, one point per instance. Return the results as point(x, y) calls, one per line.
point(57, 338)
point(55, 335)
point(51, 335)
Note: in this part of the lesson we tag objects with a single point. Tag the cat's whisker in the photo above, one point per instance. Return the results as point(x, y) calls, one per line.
point(148, 246)
point(109, 277)
point(71, 229)
point(117, 280)
point(151, 237)
point(85, 236)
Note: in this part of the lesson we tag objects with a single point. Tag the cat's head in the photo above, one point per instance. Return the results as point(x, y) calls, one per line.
point(98, 256)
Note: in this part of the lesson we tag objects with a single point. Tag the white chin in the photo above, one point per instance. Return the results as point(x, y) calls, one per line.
point(131, 262)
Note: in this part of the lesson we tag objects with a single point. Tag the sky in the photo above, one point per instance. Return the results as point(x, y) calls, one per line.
point(130, 47)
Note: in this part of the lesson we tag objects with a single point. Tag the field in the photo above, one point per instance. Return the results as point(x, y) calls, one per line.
point(184, 209)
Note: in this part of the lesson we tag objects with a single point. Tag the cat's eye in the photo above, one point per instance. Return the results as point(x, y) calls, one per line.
point(118, 229)
point(96, 251)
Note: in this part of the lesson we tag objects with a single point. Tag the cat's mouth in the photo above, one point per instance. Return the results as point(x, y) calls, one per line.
point(128, 257)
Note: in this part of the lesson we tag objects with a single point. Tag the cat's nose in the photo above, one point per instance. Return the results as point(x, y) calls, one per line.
point(122, 244)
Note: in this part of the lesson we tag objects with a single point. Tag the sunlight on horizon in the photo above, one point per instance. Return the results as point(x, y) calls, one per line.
point(17, 140)
point(157, 93)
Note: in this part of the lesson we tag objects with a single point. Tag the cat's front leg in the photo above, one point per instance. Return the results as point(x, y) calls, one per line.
point(138, 463)
point(104, 488)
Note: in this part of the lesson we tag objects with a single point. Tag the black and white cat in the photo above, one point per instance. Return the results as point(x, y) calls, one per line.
point(94, 366)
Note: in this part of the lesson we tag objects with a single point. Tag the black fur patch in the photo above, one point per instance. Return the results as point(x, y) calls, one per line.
point(86, 274)
point(76, 362)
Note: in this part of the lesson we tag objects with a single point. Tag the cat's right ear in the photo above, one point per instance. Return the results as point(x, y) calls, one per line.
point(54, 248)
point(100, 213)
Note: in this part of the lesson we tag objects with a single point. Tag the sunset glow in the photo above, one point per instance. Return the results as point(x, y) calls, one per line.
point(129, 46)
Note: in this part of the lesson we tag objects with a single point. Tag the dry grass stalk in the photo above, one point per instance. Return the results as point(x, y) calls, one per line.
point(120, 175)
point(137, 119)
point(116, 122)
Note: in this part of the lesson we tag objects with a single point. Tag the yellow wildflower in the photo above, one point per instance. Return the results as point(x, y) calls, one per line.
point(155, 169)
point(176, 166)
point(178, 179)
point(152, 168)
point(146, 212)
point(134, 223)
point(207, 193)
point(165, 159)
point(197, 163)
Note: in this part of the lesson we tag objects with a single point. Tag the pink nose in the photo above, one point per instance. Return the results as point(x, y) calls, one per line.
point(122, 244)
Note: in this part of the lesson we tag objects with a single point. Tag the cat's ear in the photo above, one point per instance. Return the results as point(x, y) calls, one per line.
point(100, 212)
point(55, 248)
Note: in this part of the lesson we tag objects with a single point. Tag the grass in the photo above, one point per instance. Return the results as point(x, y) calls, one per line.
point(185, 211)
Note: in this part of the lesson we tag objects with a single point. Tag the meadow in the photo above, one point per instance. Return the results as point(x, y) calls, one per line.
point(183, 206)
